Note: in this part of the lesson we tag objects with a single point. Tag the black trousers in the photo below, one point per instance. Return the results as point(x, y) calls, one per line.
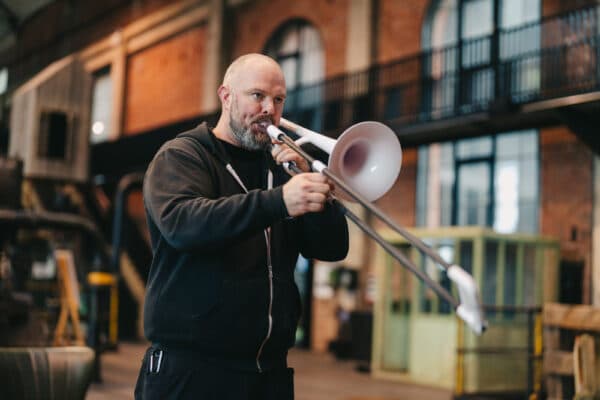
point(181, 376)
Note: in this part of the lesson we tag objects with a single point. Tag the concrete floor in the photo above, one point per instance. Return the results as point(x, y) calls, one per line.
point(317, 377)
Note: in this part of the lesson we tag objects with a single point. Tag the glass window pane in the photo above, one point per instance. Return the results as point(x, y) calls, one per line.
point(289, 43)
point(473, 194)
point(510, 275)
point(529, 217)
point(447, 183)
point(529, 277)
point(289, 66)
point(312, 56)
point(528, 187)
point(3, 80)
point(518, 12)
point(466, 255)
point(507, 146)
point(506, 215)
point(528, 143)
point(517, 153)
point(516, 183)
point(513, 145)
point(474, 148)
point(422, 192)
point(445, 22)
point(477, 18)
point(102, 102)
point(431, 299)
point(297, 46)
point(490, 279)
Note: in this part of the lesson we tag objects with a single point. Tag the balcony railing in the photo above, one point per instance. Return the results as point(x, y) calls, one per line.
point(552, 58)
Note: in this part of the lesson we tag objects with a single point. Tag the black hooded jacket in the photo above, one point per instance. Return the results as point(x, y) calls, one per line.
point(208, 288)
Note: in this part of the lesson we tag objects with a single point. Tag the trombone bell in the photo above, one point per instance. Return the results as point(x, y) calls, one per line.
point(367, 156)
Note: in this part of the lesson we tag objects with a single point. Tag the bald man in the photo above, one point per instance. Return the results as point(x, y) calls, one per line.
point(227, 224)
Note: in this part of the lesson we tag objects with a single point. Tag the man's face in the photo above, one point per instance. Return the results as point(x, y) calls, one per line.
point(257, 98)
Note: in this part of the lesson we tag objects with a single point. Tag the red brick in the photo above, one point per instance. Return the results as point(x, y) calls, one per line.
point(256, 22)
point(400, 26)
point(566, 197)
point(164, 82)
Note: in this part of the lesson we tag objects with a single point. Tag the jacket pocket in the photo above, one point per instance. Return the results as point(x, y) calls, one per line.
point(238, 323)
point(286, 313)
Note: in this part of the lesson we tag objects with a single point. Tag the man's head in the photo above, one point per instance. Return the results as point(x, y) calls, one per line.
point(252, 96)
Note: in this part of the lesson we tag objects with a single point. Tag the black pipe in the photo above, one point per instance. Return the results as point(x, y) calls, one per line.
point(50, 219)
point(126, 184)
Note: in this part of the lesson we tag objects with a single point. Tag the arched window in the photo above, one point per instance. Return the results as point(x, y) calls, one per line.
point(467, 65)
point(296, 45)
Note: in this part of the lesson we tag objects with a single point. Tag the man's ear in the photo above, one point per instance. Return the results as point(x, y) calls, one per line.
point(225, 96)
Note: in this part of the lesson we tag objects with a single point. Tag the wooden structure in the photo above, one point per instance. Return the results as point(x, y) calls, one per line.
point(571, 337)
point(69, 301)
point(50, 122)
point(418, 338)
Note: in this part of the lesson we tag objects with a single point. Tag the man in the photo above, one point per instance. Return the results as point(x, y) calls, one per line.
point(227, 224)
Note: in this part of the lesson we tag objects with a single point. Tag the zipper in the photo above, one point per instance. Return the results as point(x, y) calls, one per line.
point(270, 313)
point(267, 233)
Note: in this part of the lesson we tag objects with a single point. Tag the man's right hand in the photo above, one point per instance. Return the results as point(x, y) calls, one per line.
point(305, 193)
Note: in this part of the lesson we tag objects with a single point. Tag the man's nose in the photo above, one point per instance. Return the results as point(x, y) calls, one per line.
point(268, 107)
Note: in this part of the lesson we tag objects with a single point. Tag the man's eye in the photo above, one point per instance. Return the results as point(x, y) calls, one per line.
point(279, 100)
point(257, 96)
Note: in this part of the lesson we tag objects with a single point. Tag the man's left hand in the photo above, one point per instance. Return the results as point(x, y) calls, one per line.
point(282, 153)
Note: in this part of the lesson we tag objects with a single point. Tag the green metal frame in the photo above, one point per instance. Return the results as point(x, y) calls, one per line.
point(426, 332)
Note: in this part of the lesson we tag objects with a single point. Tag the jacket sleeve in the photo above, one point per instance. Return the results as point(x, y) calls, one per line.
point(324, 235)
point(181, 198)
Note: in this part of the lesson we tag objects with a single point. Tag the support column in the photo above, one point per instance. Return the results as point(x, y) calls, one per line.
point(596, 234)
point(358, 58)
point(118, 73)
point(358, 54)
point(215, 55)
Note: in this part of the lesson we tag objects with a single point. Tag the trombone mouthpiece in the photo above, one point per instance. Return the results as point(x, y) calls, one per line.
point(274, 132)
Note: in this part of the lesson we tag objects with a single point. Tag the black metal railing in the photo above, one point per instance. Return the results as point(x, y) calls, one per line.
point(547, 59)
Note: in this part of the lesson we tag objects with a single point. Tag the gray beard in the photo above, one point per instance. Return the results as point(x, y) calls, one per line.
point(247, 140)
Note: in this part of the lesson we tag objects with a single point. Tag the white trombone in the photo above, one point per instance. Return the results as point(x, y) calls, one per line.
point(364, 164)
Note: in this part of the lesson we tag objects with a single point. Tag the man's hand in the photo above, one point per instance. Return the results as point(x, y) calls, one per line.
point(306, 193)
point(282, 153)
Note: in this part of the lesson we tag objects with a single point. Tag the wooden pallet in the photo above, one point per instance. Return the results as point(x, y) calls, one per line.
point(571, 334)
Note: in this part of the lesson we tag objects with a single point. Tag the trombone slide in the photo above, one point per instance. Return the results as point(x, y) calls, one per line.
point(469, 308)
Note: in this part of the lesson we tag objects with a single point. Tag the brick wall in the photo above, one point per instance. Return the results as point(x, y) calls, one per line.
point(553, 7)
point(400, 26)
point(566, 196)
point(164, 82)
point(255, 22)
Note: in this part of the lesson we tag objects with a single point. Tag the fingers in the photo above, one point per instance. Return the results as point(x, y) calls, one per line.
point(320, 178)
point(282, 154)
point(306, 193)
